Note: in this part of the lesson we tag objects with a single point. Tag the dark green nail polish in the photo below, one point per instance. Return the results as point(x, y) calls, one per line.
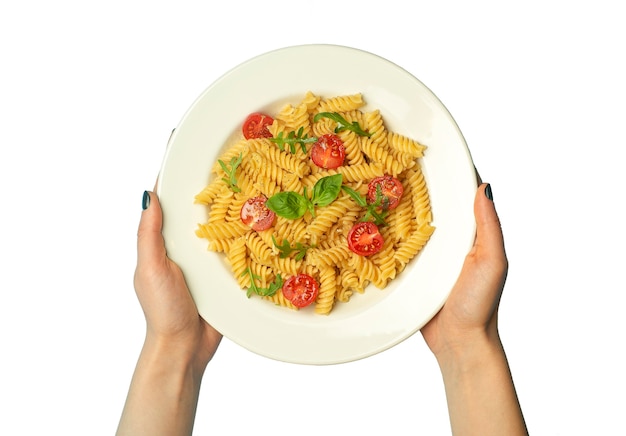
point(145, 202)
point(488, 192)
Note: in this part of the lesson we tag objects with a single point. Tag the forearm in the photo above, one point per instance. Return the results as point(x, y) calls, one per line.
point(163, 393)
point(480, 391)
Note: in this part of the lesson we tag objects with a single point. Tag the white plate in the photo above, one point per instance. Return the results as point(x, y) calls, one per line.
point(377, 319)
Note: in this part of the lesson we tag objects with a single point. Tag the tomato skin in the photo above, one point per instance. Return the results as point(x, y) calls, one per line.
point(391, 189)
point(328, 152)
point(256, 214)
point(255, 126)
point(365, 239)
point(301, 290)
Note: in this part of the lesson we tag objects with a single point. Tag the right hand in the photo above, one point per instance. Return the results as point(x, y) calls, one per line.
point(471, 310)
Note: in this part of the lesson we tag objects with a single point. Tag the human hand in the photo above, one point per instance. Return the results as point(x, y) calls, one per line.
point(470, 312)
point(163, 394)
point(171, 315)
point(464, 336)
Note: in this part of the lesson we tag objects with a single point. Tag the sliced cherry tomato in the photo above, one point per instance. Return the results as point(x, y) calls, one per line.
point(365, 239)
point(255, 126)
point(256, 214)
point(328, 152)
point(391, 189)
point(301, 290)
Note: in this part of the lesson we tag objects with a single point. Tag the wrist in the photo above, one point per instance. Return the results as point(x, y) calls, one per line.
point(174, 354)
point(469, 351)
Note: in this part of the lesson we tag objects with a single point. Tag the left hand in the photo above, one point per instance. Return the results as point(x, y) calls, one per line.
point(171, 315)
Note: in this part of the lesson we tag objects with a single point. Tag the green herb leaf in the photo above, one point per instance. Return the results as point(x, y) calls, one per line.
point(286, 249)
point(358, 198)
point(292, 140)
point(377, 218)
point(263, 292)
point(326, 190)
point(273, 287)
point(301, 250)
point(342, 123)
point(371, 213)
point(289, 204)
point(231, 172)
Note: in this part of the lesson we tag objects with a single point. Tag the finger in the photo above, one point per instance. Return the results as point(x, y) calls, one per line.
point(489, 239)
point(149, 238)
point(487, 220)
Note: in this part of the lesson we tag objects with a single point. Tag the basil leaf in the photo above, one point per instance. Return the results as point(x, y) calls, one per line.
point(290, 205)
point(326, 190)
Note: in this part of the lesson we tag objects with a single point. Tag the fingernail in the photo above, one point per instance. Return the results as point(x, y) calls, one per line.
point(145, 202)
point(488, 192)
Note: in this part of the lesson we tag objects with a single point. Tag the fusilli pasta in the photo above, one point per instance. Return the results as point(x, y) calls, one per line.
point(266, 169)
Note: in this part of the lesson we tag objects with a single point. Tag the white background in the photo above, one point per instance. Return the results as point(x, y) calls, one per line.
point(89, 94)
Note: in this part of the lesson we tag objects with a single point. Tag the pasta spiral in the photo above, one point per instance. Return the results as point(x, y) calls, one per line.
point(318, 241)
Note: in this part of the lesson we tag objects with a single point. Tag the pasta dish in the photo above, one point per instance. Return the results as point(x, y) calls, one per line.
point(316, 202)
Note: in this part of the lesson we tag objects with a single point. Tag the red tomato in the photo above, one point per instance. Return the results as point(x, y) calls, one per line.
point(328, 152)
point(255, 126)
point(365, 239)
point(256, 214)
point(391, 189)
point(301, 290)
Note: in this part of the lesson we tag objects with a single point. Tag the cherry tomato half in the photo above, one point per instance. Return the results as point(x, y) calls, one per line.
point(328, 152)
point(256, 214)
point(391, 189)
point(301, 290)
point(255, 126)
point(365, 239)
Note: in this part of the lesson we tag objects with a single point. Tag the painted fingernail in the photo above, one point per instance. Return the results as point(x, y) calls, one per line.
point(488, 192)
point(145, 202)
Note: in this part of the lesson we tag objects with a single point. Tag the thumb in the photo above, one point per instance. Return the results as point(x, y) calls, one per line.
point(489, 245)
point(488, 229)
point(149, 238)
